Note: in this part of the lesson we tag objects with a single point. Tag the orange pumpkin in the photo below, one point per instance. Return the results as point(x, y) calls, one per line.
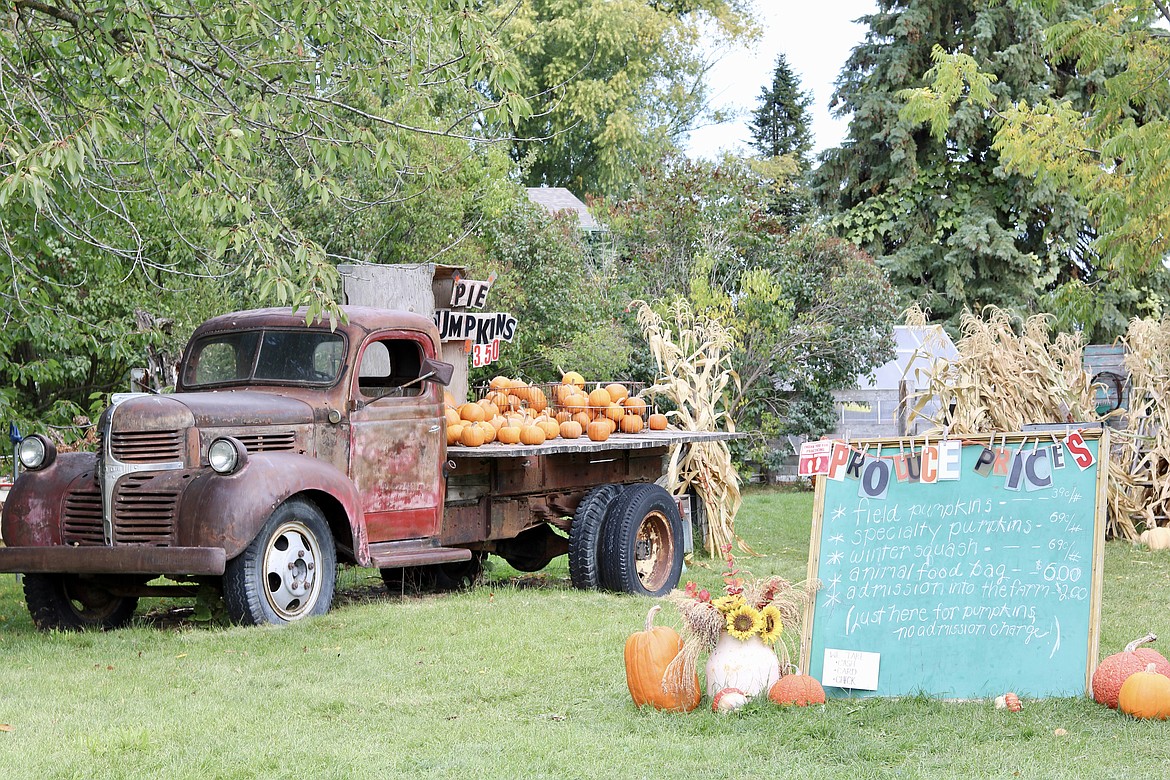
point(657, 422)
point(617, 392)
point(634, 405)
point(799, 689)
point(489, 431)
point(615, 412)
point(499, 383)
point(509, 434)
point(551, 428)
point(472, 413)
point(648, 654)
point(453, 417)
point(564, 415)
point(583, 419)
point(532, 435)
point(571, 429)
point(454, 433)
point(576, 402)
point(599, 398)
point(1146, 694)
point(598, 430)
point(471, 436)
point(631, 423)
point(574, 379)
point(1112, 672)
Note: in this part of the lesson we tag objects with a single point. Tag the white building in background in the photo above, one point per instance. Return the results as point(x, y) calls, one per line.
point(881, 403)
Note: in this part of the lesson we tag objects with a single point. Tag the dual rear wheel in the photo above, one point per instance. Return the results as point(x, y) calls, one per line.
point(627, 539)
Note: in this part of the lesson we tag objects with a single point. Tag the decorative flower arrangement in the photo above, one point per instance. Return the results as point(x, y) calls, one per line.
point(748, 608)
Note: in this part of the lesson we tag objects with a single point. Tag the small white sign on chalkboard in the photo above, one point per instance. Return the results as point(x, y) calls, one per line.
point(853, 669)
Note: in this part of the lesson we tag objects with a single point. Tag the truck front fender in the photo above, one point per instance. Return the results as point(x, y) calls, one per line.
point(32, 513)
point(228, 511)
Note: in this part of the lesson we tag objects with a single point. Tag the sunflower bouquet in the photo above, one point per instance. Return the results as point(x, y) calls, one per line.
point(748, 608)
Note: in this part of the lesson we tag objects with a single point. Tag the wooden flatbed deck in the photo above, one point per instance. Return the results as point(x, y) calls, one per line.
point(617, 441)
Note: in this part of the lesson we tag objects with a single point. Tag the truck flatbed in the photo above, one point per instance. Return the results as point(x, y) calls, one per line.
point(617, 441)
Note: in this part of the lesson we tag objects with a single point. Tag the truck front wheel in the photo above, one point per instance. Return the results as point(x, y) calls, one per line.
point(642, 552)
point(288, 572)
point(69, 603)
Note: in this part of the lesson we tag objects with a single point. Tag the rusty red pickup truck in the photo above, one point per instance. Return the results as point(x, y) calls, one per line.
point(289, 449)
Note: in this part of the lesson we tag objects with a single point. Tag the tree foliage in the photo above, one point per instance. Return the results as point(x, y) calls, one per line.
point(807, 313)
point(123, 125)
point(619, 82)
point(780, 121)
point(932, 199)
point(1111, 153)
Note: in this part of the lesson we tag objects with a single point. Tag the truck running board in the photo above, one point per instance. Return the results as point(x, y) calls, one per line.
point(413, 552)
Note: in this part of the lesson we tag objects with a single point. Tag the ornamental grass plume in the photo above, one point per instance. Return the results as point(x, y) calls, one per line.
point(748, 607)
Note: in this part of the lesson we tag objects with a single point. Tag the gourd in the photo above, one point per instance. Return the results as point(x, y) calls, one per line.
point(634, 405)
point(571, 429)
point(454, 433)
point(599, 399)
point(551, 428)
point(799, 689)
point(1157, 538)
point(1112, 672)
point(1146, 694)
point(648, 654)
point(617, 392)
point(657, 422)
point(532, 434)
point(573, 378)
point(472, 412)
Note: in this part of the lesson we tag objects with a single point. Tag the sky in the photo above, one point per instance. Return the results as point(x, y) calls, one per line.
point(816, 37)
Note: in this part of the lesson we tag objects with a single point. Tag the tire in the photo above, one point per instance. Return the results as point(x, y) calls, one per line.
point(68, 603)
point(441, 577)
point(642, 552)
point(287, 573)
point(585, 536)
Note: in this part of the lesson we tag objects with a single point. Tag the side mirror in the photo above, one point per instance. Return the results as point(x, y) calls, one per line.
point(437, 371)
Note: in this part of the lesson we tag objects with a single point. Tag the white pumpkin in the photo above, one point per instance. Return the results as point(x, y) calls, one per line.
point(1157, 538)
point(748, 665)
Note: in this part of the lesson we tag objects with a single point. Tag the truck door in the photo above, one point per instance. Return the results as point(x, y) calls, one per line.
point(396, 439)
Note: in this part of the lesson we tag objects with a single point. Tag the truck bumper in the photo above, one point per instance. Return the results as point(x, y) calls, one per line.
point(113, 560)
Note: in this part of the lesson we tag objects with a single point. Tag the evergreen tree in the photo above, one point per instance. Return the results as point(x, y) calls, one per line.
point(781, 135)
point(780, 123)
point(952, 228)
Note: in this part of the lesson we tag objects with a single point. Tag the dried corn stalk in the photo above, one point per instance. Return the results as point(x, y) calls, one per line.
point(694, 367)
point(1140, 464)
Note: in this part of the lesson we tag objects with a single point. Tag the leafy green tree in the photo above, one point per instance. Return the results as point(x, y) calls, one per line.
point(954, 228)
point(809, 313)
point(124, 122)
point(1110, 154)
point(619, 82)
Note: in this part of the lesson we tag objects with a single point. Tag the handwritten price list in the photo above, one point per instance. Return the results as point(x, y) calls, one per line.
point(935, 574)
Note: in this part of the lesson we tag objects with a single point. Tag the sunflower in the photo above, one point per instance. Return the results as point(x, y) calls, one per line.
point(743, 621)
point(773, 625)
point(727, 604)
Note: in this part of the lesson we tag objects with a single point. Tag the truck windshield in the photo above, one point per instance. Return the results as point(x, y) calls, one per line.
point(265, 356)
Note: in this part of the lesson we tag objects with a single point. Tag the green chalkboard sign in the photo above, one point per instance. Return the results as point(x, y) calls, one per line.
point(958, 569)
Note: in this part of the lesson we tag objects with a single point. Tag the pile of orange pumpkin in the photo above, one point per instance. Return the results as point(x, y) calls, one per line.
point(515, 412)
point(1135, 681)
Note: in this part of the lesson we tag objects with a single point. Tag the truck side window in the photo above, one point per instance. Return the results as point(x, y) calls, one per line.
point(389, 364)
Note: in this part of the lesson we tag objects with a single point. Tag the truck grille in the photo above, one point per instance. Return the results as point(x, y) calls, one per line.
point(284, 441)
point(142, 517)
point(83, 516)
point(147, 446)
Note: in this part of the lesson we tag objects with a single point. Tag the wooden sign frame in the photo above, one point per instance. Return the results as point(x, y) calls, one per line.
point(915, 651)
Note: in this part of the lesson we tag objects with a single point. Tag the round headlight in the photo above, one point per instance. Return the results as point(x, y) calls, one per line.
point(224, 456)
point(36, 452)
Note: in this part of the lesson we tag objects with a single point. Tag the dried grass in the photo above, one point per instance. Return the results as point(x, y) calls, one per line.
point(1011, 373)
point(694, 367)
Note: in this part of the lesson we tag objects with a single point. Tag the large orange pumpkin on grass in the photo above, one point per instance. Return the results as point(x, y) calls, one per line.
point(648, 654)
point(1112, 672)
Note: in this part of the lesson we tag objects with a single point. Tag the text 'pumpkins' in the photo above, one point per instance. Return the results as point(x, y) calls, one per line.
point(648, 654)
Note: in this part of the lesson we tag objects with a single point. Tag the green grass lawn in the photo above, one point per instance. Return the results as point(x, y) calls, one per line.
point(519, 678)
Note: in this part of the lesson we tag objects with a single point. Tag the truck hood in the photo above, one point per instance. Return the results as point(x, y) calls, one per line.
point(226, 408)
